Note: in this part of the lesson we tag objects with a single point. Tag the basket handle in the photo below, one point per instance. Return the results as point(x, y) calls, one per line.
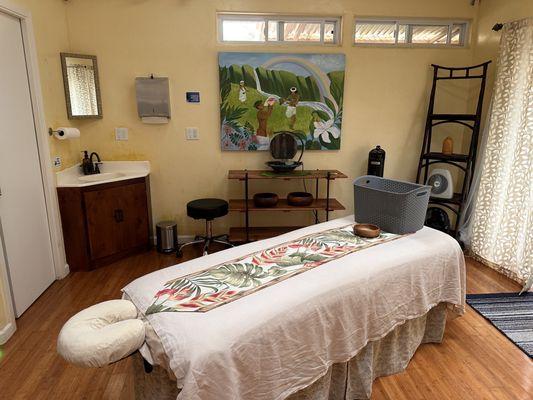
point(421, 193)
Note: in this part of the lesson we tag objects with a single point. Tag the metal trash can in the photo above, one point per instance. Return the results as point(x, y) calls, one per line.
point(167, 236)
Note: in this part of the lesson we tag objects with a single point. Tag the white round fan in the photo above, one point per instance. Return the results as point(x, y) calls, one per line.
point(441, 183)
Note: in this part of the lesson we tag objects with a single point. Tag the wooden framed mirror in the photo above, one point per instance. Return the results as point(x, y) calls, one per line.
point(82, 87)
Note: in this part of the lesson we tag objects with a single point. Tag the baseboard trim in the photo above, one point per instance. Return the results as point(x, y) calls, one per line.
point(7, 331)
point(64, 274)
point(185, 238)
point(181, 239)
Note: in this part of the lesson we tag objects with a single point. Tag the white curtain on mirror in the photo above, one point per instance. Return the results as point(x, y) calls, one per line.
point(82, 89)
point(501, 225)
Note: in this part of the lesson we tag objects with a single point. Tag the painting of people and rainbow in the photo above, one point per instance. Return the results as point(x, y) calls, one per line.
point(265, 93)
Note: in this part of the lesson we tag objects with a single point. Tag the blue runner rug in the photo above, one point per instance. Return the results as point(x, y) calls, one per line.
point(510, 314)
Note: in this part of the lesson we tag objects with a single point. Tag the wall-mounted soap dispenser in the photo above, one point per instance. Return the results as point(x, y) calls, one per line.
point(153, 99)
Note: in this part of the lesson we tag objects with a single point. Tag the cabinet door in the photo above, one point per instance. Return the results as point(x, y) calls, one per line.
point(101, 207)
point(134, 212)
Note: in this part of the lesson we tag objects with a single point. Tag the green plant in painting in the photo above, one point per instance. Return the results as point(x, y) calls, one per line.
point(316, 116)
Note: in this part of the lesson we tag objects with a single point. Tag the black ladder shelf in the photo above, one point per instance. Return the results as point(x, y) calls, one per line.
point(465, 162)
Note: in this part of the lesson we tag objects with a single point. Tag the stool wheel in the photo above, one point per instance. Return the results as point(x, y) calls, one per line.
point(179, 253)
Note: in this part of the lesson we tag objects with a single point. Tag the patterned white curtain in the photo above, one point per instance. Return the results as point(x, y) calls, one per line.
point(502, 220)
point(82, 90)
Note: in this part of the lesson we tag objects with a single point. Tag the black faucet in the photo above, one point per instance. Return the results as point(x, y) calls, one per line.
point(95, 165)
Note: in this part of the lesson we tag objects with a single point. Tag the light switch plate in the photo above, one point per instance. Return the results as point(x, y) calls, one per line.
point(192, 133)
point(121, 133)
point(57, 162)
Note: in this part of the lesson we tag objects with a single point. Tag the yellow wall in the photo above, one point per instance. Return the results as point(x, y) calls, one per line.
point(51, 38)
point(385, 94)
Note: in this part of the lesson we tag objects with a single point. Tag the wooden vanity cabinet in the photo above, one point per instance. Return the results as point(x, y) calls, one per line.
point(104, 223)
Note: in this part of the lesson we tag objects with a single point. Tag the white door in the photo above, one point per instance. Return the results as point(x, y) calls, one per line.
point(23, 218)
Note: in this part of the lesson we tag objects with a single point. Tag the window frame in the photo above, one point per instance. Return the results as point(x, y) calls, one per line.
point(281, 19)
point(464, 37)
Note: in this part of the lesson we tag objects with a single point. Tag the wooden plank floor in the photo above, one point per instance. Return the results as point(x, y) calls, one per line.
point(475, 361)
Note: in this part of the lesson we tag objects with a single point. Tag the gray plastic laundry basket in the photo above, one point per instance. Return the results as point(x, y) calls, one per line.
point(395, 206)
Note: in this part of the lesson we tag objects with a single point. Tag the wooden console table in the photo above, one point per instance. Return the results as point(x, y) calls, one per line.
point(246, 205)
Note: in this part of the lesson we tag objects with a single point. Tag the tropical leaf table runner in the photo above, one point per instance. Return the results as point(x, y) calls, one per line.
point(223, 283)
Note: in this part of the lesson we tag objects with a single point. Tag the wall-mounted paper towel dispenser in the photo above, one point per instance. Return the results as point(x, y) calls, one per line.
point(153, 100)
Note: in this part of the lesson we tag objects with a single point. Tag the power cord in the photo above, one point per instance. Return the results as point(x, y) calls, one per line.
point(315, 212)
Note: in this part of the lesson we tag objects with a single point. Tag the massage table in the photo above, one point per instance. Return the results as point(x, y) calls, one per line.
point(326, 333)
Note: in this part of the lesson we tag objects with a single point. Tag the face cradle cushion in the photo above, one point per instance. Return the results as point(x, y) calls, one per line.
point(101, 334)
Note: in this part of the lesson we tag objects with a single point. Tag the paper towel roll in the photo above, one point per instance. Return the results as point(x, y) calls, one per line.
point(66, 133)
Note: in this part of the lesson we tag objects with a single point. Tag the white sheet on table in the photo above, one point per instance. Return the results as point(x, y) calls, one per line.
point(282, 338)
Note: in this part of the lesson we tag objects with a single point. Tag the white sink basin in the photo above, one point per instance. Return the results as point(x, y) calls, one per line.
point(105, 176)
point(112, 171)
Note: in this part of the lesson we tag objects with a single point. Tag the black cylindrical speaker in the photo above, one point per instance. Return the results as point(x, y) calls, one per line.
point(376, 161)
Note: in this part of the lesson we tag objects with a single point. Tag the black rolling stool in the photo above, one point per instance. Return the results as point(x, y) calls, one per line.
point(207, 209)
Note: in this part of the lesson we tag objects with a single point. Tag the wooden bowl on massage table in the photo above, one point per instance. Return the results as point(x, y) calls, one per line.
point(366, 230)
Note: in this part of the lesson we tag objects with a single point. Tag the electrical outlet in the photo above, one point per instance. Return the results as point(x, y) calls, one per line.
point(57, 162)
point(192, 133)
point(121, 133)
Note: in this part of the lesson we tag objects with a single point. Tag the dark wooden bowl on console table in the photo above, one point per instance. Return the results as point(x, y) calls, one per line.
point(265, 200)
point(299, 199)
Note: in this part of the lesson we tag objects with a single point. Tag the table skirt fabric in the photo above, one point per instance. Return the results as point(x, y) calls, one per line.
point(347, 381)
